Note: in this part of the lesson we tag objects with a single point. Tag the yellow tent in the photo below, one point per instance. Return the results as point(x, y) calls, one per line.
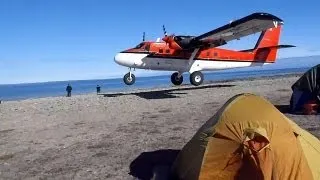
point(248, 138)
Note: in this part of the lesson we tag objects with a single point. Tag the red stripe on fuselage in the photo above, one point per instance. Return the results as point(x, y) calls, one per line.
point(168, 56)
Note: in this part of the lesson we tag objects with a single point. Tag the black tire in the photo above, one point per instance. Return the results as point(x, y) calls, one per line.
point(175, 80)
point(196, 78)
point(129, 81)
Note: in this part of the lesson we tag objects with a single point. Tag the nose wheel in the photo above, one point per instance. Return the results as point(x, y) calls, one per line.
point(196, 78)
point(176, 78)
point(129, 78)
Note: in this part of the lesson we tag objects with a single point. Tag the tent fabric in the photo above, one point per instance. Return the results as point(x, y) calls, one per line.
point(248, 138)
point(309, 82)
point(310, 146)
point(298, 99)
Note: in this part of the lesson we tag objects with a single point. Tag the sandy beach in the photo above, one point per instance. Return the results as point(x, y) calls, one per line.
point(98, 136)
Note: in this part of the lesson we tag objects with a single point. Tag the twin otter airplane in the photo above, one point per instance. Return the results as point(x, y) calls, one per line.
point(194, 54)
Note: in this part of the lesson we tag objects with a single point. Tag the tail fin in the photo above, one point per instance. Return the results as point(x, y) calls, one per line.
point(267, 45)
point(269, 37)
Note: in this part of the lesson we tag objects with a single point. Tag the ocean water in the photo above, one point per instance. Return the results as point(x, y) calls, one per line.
point(51, 89)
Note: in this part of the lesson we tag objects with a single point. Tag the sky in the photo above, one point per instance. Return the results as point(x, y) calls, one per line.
point(53, 40)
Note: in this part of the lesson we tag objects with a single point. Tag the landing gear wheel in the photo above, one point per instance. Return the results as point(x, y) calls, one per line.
point(175, 79)
point(129, 80)
point(196, 78)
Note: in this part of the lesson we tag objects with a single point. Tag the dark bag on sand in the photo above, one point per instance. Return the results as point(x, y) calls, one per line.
point(306, 88)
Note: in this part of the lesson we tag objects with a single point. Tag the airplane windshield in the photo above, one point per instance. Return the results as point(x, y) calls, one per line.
point(139, 46)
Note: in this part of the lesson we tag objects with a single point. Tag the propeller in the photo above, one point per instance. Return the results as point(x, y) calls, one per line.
point(170, 39)
point(164, 30)
point(143, 36)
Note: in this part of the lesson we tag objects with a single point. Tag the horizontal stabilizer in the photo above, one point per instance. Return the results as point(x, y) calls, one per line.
point(279, 46)
point(270, 47)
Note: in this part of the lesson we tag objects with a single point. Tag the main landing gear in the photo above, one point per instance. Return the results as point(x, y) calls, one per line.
point(196, 78)
point(129, 78)
point(176, 78)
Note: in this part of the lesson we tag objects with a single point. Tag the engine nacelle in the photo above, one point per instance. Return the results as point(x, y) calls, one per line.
point(172, 42)
point(186, 42)
point(189, 42)
point(182, 42)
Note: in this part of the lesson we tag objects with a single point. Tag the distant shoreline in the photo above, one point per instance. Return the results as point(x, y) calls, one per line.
point(293, 74)
point(150, 76)
point(209, 82)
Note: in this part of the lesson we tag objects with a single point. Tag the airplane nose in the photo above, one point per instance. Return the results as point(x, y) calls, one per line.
point(121, 59)
point(118, 58)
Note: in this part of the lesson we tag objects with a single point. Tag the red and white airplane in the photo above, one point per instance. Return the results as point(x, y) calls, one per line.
point(194, 54)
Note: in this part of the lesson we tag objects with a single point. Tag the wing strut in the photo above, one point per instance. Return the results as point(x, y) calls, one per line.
point(193, 55)
point(191, 64)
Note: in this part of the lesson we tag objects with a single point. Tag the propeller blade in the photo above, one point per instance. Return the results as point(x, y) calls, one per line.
point(164, 30)
point(143, 37)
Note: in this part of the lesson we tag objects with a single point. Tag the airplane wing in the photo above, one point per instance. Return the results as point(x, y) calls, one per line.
point(251, 24)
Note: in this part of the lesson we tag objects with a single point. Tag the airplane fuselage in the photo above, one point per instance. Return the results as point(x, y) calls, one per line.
point(144, 61)
point(158, 56)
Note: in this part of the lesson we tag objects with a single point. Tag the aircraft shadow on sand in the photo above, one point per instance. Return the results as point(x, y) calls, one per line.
point(167, 93)
point(155, 163)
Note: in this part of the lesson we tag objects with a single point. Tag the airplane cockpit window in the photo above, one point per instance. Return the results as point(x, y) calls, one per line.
point(139, 46)
point(143, 46)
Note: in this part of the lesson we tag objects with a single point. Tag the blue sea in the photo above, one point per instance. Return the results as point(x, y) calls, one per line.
point(51, 89)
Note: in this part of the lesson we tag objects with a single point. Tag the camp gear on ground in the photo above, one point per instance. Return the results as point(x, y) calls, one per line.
point(306, 88)
point(248, 138)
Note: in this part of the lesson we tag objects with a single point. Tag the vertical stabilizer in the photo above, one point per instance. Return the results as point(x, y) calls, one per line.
point(267, 45)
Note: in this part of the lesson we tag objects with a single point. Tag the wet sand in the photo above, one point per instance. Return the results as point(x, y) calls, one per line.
point(98, 136)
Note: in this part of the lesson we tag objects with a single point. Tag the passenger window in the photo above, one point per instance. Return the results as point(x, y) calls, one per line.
point(215, 54)
point(160, 50)
point(208, 53)
point(167, 51)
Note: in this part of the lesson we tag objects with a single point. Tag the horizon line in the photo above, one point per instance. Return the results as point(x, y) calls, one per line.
point(110, 78)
